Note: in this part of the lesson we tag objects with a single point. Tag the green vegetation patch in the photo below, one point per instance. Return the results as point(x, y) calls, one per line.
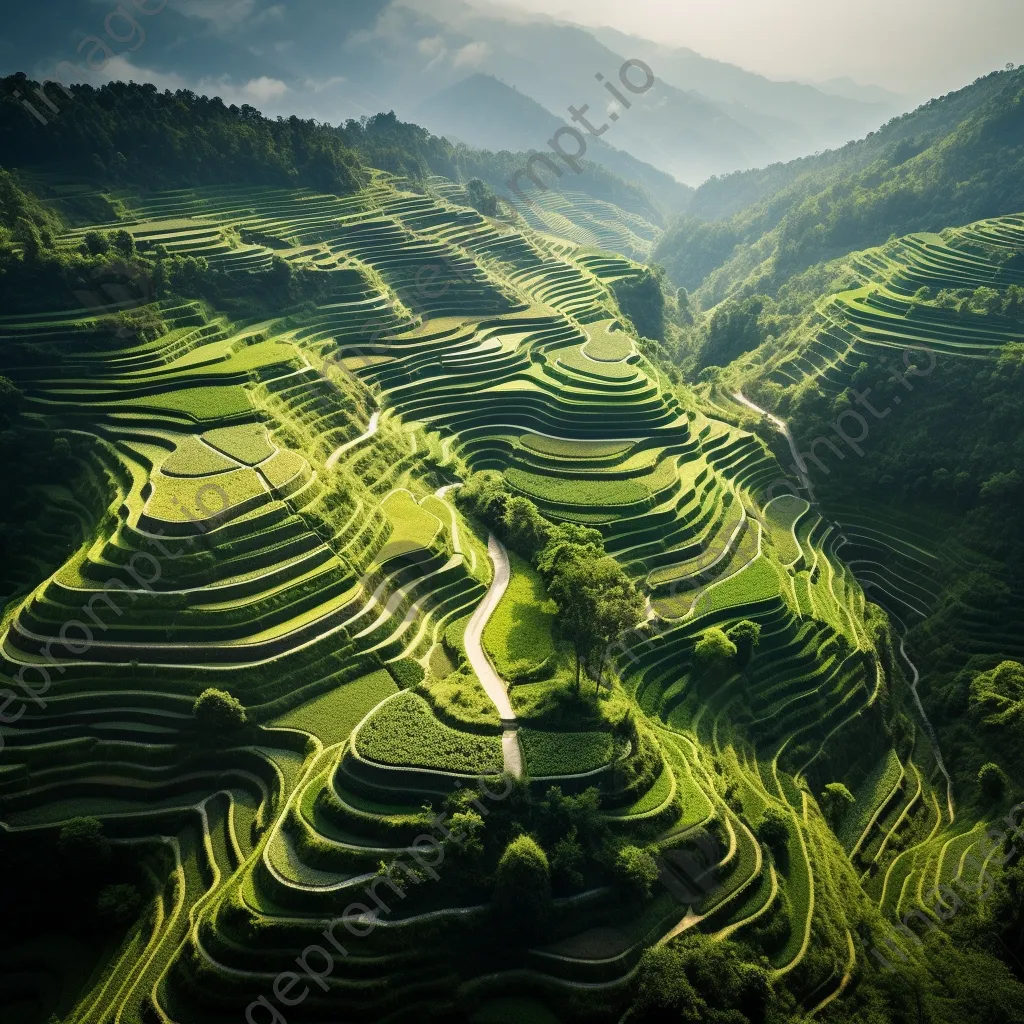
point(519, 636)
point(405, 733)
point(283, 466)
point(564, 753)
point(180, 499)
point(562, 449)
point(204, 405)
point(606, 344)
point(412, 527)
point(758, 581)
point(577, 492)
point(193, 458)
point(782, 514)
point(248, 442)
point(332, 716)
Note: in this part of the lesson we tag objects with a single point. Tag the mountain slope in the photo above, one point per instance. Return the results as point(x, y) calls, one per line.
point(488, 114)
point(953, 161)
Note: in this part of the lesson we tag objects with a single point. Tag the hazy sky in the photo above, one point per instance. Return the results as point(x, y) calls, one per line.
point(917, 47)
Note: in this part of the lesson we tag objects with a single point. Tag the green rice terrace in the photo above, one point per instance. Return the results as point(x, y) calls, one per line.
point(358, 511)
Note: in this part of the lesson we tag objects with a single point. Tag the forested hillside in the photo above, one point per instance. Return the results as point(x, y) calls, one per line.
point(955, 160)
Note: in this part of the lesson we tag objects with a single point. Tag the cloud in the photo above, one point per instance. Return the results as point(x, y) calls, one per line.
point(225, 15)
point(472, 55)
point(431, 47)
point(263, 88)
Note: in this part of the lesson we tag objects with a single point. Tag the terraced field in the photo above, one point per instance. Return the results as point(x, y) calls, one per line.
point(277, 520)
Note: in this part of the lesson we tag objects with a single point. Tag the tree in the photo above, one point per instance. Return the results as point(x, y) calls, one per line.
point(94, 243)
point(118, 904)
point(596, 602)
point(773, 830)
point(992, 781)
point(714, 649)
point(482, 198)
point(746, 635)
point(695, 979)
point(217, 713)
point(83, 846)
point(567, 859)
point(522, 888)
point(124, 243)
point(526, 530)
point(11, 400)
point(835, 799)
point(568, 541)
point(573, 589)
point(636, 870)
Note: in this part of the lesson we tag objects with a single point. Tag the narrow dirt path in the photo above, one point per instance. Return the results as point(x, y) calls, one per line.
point(933, 739)
point(492, 683)
point(332, 459)
point(783, 427)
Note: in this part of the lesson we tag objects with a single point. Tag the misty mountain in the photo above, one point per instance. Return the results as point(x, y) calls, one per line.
point(796, 118)
point(487, 114)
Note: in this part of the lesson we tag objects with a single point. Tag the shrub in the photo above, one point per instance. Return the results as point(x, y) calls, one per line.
point(636, 870)
point(992, 781)
point(217, 713)
point(408, 672)
point(746, 635)
point(773, 830)
point(522, 888)
point(835, 799)
point(714, 648)
point(83, 845)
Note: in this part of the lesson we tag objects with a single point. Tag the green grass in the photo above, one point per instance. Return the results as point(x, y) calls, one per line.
point(405, 732)
point(564, 753)
point(758, 581)
point(506, 1010)
point(332, 716)
point(782, 514)
point(519, 635)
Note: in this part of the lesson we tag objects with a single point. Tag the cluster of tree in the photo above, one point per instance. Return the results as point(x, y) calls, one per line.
point(642, 299)
point(531, 849)
point(596, 600)
point(719, 650)
point(735, 327)
point(481, 197)
point(411, 151)
point(955, 160)
point(130, 134)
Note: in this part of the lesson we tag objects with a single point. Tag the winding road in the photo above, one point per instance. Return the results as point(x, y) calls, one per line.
point(332, 459)
point(492, 683)
point(783, 427)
